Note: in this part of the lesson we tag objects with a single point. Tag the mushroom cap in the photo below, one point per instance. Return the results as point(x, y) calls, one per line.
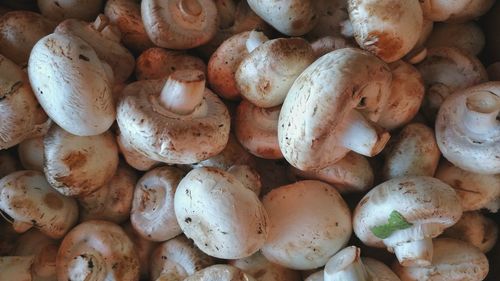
point(267, 73)
point(70, 82)
point(453, 260)
point(467, 36)
point(420, 200)
point(324, 45)
point(389, 29)
point(248, 176)
point(44, 250)
point(167, 137)
point(30, 152)
point(455, 11)
point(27, 198)
point(65, 9)
point(319, 99)
point(260, 268)
point(152, 214)
point(223, 217)
point(331, 15)
point(102, 249)
point(459, 144)
point(77, 166)
point(301, 236)
point(219, 272)
point(133, 157)
point(179, 24)
point(16, 268)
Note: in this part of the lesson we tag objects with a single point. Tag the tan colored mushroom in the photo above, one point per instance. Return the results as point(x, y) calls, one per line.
point(455, 11)
point(133, 157)
point(218, 272)
point(261, 269)
point(64, 9)
point(16, 268)
point(30, 152)
point(466, 36)
point(143, 247)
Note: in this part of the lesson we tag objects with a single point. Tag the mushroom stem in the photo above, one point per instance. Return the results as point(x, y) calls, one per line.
point(481, 112)
point(190, 7)
point(85, 268)
point(255, 39)
point(361, 135)
point(346, 265)
point(183, 91)
point(414, 253)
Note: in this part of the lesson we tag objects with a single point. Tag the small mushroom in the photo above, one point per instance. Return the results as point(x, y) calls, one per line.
point(223, 217)
point(64, 9)
point(494, 71)
point(177, 122)
point(468, 129)
point(261, 269)
point(28, 199)
point(331, 109)
point(16, 268)
point(133, 157)
point(144, 249)
point(30, 153)
point(97, 250)
point(453, 260)
point(78, 166)
point(455, 11)
point(179, 24)
point(152, 214)
point(218, 272)
point(466, 36)
point(248, 176)
point(404, 214)
point(316, 233)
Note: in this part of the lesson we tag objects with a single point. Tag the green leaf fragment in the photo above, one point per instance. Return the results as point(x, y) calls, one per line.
point(395, 222)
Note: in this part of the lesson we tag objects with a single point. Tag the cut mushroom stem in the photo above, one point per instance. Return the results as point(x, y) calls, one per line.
point(102, 25)
point(183, 91)
point(419, 251)
point(79, 268)
point(255, 39)
point(481, 112)
point(346, 265)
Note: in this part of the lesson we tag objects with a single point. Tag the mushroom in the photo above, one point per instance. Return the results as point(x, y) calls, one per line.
point(176, 259)
point(144, 248)
point(8, 164)
point(28, 199)
point(223, 217)
point(152, 213)
point(388, 29)
point(414, 152)
point(455, 11)
point(352, 173)
point(468, 129)
point(404, 214)
point(476, 229)
point(407, 93)
point(226, 11)
point(97, 250)
point(453, 260)
point(331, 109)
point(133, 157)
point(476, 191)
point(248, 176)
point(331, 16)
point(22, 116)
point(304, 237)
point(494, 71)
point(157, 63)
point(419, 50)
point(324, 45)
point(64, 9)
point(19, 31)
point(113, 200)
point(16, 268)
point(179, 24)
point(30, 153)
point(261, 269)
point(317, 276)
point(71, 84)
point(218, 272)
point(257, 129)
point(177, 122)
point(466, 36)
point(78, 166)
point(267, 73)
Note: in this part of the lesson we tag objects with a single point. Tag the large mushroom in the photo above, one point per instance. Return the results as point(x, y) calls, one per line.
point(30, 154)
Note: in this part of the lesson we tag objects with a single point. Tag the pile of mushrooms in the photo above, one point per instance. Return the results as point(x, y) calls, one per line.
point(249, 140)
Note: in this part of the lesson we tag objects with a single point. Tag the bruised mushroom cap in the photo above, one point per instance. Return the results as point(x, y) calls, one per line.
point(404, 214)
point(71, 84)
point(44, 250)
point(455, 11)
point(316, 233)
point(261, 269)
point(322, 116)
point(133, 157)
point(30, 153)
point(267, 73)
point(19, 31)
point(468, 129)
point(179, 24)
point(97, 250)
point(30, 201)
point(77, 166)
point(453, 260)
point(65, 9)
point(466, 36)
point(152, 214)
point(223, 217)
point(144, 248)
point(386, 28)
point(476, 191)
point(16, 268)
point(219, 272)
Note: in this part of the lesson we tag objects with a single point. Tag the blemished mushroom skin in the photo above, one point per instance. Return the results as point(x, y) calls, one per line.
point(97, 250)
point(352, 173)
point(64, 9)
point(455, 11)
point(179, 24)
point(316, 233)
point(30, 152)
point(152, 213)
point(468, 129)
point(60, 68)
point(158, 63)
point(19, 31)
point(144, 248)
point(16, 268)
point(223, 217)
point(261, 269)
point(78, 166)
point(267, 73)
point(453, 260)
point(331, 109)
point(414, 152)
point(467, 36)
point(133, 157)
point(388, 29)
point(256, 128)
point(476, 229)
point(476, 191)
point(421, 207)
point(218, 272)
point(177, 259)
point(30, 201)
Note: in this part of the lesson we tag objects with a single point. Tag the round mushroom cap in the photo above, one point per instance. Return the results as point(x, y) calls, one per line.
point(77, 166)
point(259, 267)
point(467, 36)
point(30, 153)
point(133, 157)
point(219, 272)
point(455, 11)
point(65, 9)
point(179, 24)
point(308, 223)
point(223, 217)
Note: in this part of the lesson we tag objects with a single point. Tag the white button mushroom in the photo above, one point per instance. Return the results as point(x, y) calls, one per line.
point(133, 157)
point(16, 268)
point(261, 269)
point(218, 272)
point(248, 176)
point(455, 11)
point(65, 9)
point(30, 153)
